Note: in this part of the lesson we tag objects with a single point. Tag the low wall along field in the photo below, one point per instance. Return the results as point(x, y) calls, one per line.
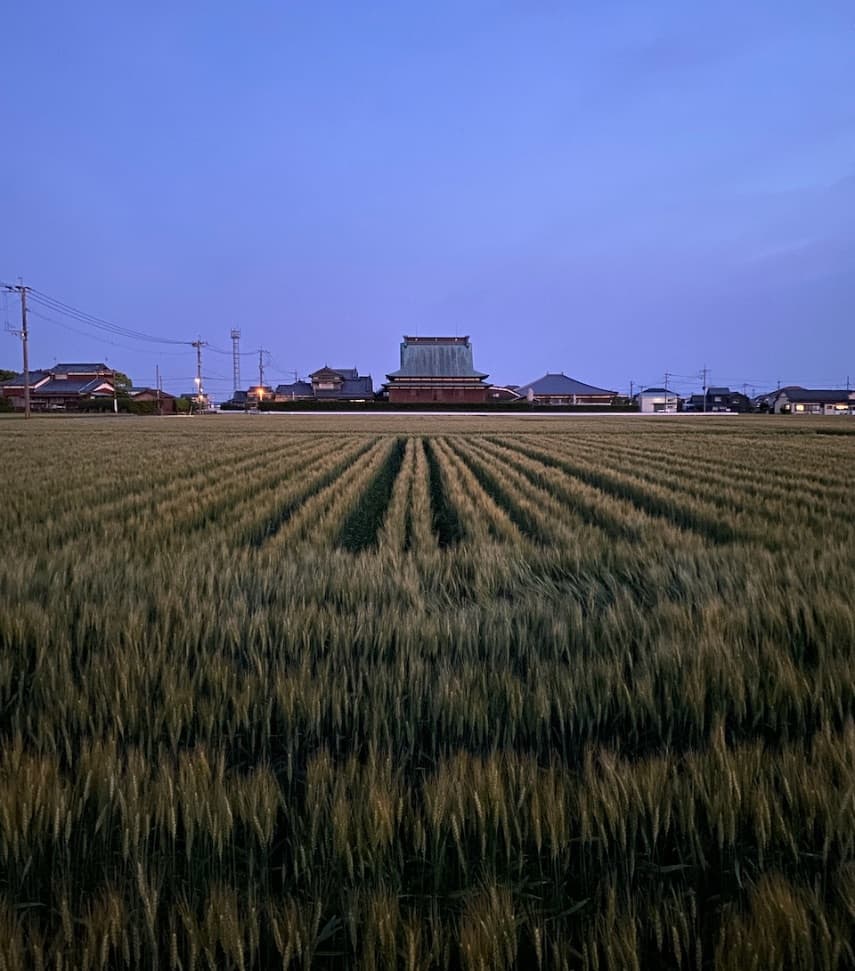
point(427, 693)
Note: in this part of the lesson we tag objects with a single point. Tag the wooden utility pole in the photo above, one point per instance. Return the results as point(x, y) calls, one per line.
point(704, 371)
point(24, 334)
point(25, 343)
point(157, 388)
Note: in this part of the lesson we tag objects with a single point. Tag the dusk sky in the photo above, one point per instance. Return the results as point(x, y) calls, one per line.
point(607, 189)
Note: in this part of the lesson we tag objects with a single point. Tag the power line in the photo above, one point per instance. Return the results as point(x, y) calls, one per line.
point(58, 306)
point(102, 340)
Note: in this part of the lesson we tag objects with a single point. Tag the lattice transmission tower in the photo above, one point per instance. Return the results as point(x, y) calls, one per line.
point(236, 359)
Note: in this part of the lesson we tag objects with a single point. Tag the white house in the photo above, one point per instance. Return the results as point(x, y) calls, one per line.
point(658, 401)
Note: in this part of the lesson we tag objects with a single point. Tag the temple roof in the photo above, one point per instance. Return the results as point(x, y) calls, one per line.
point(436, 357)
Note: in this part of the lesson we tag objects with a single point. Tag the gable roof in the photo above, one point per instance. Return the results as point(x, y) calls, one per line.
point(346, 373)
point(819, 395)
point(18, 380)
point(77, 368)
point(66, 387)
point(133, 392)
point(659, 391)
point(436, 357)
point(300, 389)
point(360, 387)
point(560, 384)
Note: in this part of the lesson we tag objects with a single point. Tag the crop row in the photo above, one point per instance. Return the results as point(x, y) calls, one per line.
point(426, 698)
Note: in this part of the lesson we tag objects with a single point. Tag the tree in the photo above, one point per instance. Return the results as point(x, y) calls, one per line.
point(6, 375)
point(122, 380)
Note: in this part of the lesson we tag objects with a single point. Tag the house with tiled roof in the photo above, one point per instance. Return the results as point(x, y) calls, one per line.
point(329, 384)
point(559, 389)
point(436, 369)
point(718, 399)
point(814, 401)
point(63, 387)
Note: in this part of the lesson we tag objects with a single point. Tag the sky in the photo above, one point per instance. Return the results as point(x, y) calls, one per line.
point(614, 190)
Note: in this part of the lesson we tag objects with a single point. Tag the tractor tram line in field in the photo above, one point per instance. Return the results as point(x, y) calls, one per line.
point(429, 694)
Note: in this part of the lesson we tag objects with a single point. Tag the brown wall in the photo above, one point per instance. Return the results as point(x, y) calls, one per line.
point(430, 395)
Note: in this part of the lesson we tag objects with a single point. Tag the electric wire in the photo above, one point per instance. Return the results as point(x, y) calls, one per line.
point(60, 307)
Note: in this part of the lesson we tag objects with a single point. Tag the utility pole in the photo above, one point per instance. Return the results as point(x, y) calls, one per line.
point(261, 354)
point(631, 387)
point(157, 387)
point(24, 334)
point(667, 375)
point(236, 359)
point(704, 372)
point(198, 344)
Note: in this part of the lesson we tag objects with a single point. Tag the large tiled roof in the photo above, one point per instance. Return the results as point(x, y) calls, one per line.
point(820, 395)
point(18, 380)
point(560, 384)
point(360, 387)
point(348, 373)
point(300, 389)
point(438, 357)
point(77, 368)
point(66, 387)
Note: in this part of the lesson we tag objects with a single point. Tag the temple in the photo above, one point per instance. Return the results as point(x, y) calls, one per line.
point(436, 369)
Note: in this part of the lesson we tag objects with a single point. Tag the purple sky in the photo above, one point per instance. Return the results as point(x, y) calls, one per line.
point(609, 189)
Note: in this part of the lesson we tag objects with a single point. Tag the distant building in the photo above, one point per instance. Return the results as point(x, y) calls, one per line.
point(63, 387)
point(436, 369)
point(296, 391)
point(558, 389)
point(814, 401)
point(329, 384)
point(766, 402)
point(655, 401)
point(260, 392)
point(164, 403)
point(719, 399)
point(509, 392)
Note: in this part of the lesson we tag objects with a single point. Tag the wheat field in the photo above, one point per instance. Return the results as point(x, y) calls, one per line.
point(427, 693)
